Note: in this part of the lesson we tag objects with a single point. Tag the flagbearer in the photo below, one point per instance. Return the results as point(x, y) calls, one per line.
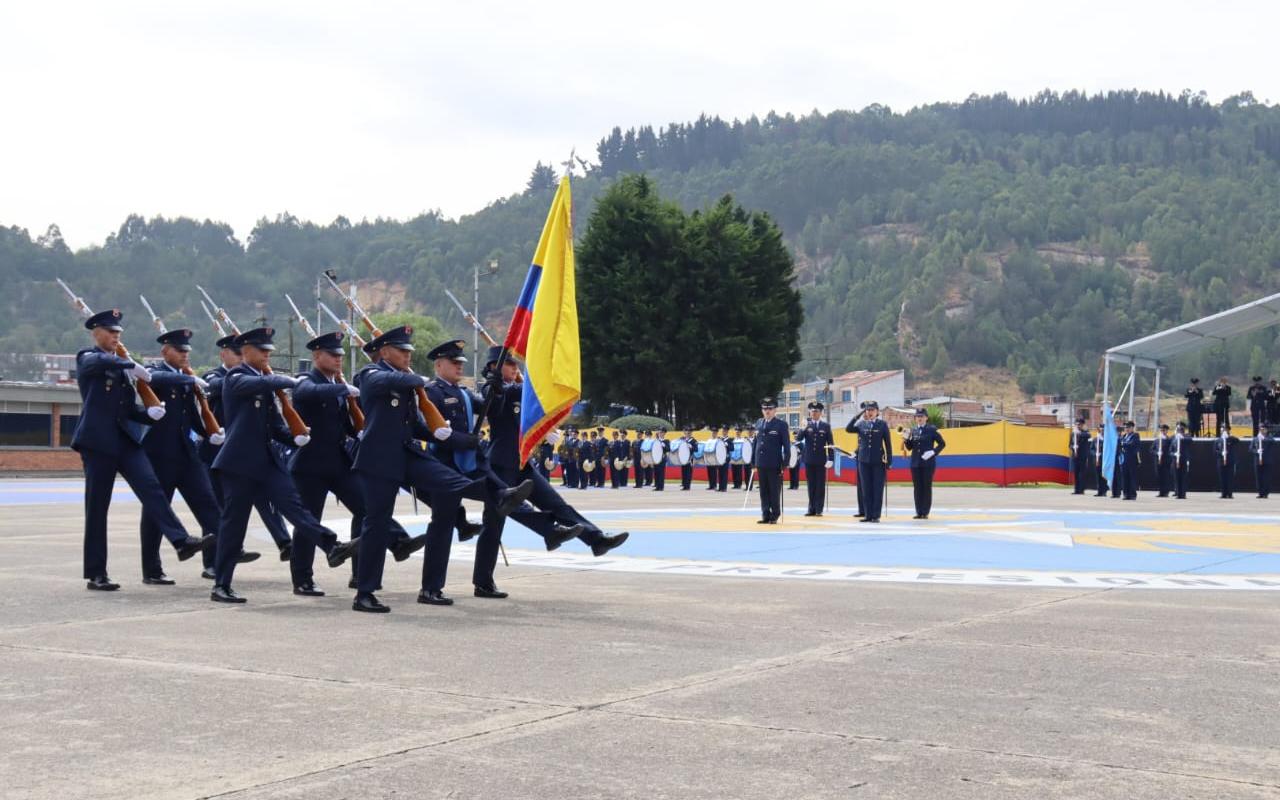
point(925, 443)
point(108, 437)
point(816, 442)
point(1099, 463)
point(769, 456)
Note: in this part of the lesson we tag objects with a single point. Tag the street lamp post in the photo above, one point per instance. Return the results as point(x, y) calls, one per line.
point(490, 269)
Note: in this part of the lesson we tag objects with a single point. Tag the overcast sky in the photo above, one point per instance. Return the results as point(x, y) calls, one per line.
point(236, 110)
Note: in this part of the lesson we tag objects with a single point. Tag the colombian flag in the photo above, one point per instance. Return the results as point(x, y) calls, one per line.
point(544, 329)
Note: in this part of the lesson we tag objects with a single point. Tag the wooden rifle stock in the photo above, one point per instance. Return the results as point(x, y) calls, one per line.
point(144, 391)
point(211, 425)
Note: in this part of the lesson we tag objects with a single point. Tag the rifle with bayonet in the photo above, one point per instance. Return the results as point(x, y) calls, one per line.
point(291, 418)
point(347, 329)
point(471, 319)
point(434, 418)
point(217, 326)
point(148, 397)
point(353, 406)
point(211, 425)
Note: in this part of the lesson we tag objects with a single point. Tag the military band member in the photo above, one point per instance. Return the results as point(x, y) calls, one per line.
point(793, 471)
point(686, 469)
point(1222, 405)
point(324, 466)
point(569, 458)
point(816, 443)
point(1098, 447)
point(252, 469)
point(586, 460)
point(1080, 452)
point(1273, 401)
point(925, 444)
point(874, 457)
point(1257, 394)
point(1180, 456)
point(1224, 452)
point(637, 471)
point(546, 454)
point(108, 437)
point(660, 449)
point(722, 479)
point(1263, 451)
point(1162, 452)
point(171, 446)
point(229, 355)
point(769, 457)
point(1195, 407)
point(602, 457)
point(713, 473)
point(736, 470)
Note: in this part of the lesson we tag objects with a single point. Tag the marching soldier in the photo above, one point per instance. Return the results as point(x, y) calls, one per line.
point(1162, 452)
point(251, 469)
point(816, 444)
point(686, 469)
point(229, 355)
point(1195, 406)
point(1263, 449)
point(925, 443)
point(1079, 454)
point(1130, 458)
point(1180, 455)
point(769, 456)
point(1257, 394)
point(636, 452)
point(324, 465)
point(171, 446)
point(1222, 405)
point(108, 437)
point(1098, 448)
point(1224, 451)
point(874, 456)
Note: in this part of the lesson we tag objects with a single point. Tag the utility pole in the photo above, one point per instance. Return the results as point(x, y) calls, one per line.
point(490, 269)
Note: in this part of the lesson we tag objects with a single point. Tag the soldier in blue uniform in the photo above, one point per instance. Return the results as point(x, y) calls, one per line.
point(546, 452)
point(1263, 451)
point(713, 472)
point(229, 355)
point(769, 457)
point(1161, 450)
point(660, 449)
point(1257, 394)
point(1195, 406)
point(1224, 453)
point(602, 457)
point(1080, 452)
point(1129, 459)
point(1097, 449)
point(457, 447)
point(324, 465)
point(1117, 475)
point(686, 469)
point(925, 444)
point(736, 471)
point(874, 456)
point(1180, 458)
point(252, 469)
point(569, 458)
point(1221, 405)
point(722, 479)
point(171, 446)
point(816, 443)
point(586, 458)
point(108, 437)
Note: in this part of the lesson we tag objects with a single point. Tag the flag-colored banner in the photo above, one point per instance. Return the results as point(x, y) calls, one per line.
point(1110, 442)
point(544, 329)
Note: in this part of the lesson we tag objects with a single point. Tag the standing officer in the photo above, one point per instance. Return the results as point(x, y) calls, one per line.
point(769, 456)
point(1130, 444)
point(586, 457)
point(569, 458)
point(1118, 474)
point(925, 443)
point(722, 479)
point(686, 469)
point(602, 455)
point(1224, 452)
point(1079, 454)
point(1180, 456)
point(1222, 405)
point(108, 437)
point(1162, 452)
point(713, 473)
point(229, 355)
point(660, 448)
point(252, 469)
point(171, 447)
point(1098, 450)
point(324, 465)
point(874, 456)
point(1263, 449)
point(1195, 406)
point(816, 442)
point(1257, 394)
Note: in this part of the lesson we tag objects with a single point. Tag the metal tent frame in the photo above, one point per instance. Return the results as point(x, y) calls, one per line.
point(1152, 352)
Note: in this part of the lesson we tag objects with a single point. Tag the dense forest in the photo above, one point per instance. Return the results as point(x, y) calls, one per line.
point(1022, 234)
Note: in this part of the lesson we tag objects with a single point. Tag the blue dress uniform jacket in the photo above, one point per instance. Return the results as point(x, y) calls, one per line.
point(109, 404)
point(817, 445)
point(322, 404)
point(252, 422)
point(1130, 446)
point(770, 453)
point(394, 430)
point(1224, 455)
point(171, 437)
point(874, 456)
point(459, 406)
point(923, 439)
point(1263, 451)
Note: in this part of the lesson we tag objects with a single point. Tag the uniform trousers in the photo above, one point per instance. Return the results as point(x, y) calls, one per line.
point(100, 470)
point(190, 476)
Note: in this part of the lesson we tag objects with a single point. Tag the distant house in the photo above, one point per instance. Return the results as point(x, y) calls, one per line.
point(845, 397)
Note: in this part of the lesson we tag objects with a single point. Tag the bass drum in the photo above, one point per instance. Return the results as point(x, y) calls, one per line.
point(646, 453)
point(588, 466)
point(714, 452)
point(795, 455)
point(680, 452)
point(747, 451)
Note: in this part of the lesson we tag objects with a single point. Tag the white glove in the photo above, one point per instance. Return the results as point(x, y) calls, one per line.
point(352, 391)
point(443, 433)
point(156, 413)
point(202, 383)
point(301, 440)
point(554, 437)
point(928, 454)
point(360, 434)
point(828, 465)
point(217, 438)
point(140, 373)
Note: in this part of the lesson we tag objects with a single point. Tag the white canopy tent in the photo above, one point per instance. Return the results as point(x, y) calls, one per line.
point(1152, 352)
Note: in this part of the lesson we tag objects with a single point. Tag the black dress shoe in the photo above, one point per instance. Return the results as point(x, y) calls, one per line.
point(342, 551)
point(403, 548)
point(434, 598)
point(918, 516)
point(191, 545)
point(102, 584)
point(762, 522)
point(286, 552)
point(876, 520)
point(208, 574)
point(247, 556)
point(158, 580)
point(308, 589)
point(491, 592)
point(369, 604)
point(511, 499)
point(864, 519)
point(353, 584)
point(810, 514)
point(561, 534)
point(467, 530)
point(608, 543)
point(224, 594)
